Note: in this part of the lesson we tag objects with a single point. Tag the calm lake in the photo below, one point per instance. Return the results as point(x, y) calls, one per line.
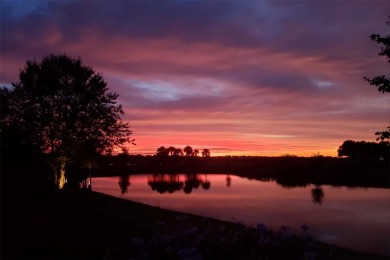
point(357, 218)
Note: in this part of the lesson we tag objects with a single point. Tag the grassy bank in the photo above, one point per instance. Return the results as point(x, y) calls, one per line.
point(80, 224)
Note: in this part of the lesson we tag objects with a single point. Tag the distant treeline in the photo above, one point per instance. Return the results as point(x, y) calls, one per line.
point(187, 151)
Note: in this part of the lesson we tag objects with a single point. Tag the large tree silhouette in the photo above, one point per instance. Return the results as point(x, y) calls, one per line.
point(61, 107)
point(382, 82)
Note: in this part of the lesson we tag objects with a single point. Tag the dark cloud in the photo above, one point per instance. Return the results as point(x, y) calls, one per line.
point(331, 30)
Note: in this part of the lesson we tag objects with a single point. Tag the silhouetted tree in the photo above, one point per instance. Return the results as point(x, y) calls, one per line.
point(178, 152)
point(206, 152)
point(171, 150)
point(162, 151)
point(188, 151)
point(58, 105)
point(364, 150)
point(196, 152)
point(382, 82)
point(348, 148)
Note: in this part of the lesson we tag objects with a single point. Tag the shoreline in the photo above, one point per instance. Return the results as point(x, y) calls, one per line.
point(84, 224)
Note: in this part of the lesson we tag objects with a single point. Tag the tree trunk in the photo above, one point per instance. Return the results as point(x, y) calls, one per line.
point(62, 180)
point(58, 166)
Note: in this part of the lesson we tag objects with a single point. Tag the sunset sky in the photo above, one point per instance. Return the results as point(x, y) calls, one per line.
point(237, 77)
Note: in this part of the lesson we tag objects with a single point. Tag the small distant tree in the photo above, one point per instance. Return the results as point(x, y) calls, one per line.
point(162, 151)
point(178, 152)
point(382, 82)
point(196, 152)
point(206, 152)
point(60, 107)
point(188, 150)
point(171, 150)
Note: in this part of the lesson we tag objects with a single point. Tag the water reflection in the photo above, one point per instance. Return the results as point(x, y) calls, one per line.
point(317, 195)
point(124, 183)
point(228, 181)
point(206, 184)
point(170, 183)
point(192, 181)
point(163, 183)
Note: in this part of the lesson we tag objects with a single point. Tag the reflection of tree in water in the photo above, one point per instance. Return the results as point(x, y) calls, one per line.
point(165, 183)
point(171, 182)
point(206, 184)
point(192, 181)
point(317, 195)
point(124, 183)
point(228, 181)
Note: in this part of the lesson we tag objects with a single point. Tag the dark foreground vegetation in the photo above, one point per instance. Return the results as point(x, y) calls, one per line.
point(41, 222)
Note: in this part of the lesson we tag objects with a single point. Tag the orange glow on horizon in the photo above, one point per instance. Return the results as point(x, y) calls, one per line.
point(148, 146)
